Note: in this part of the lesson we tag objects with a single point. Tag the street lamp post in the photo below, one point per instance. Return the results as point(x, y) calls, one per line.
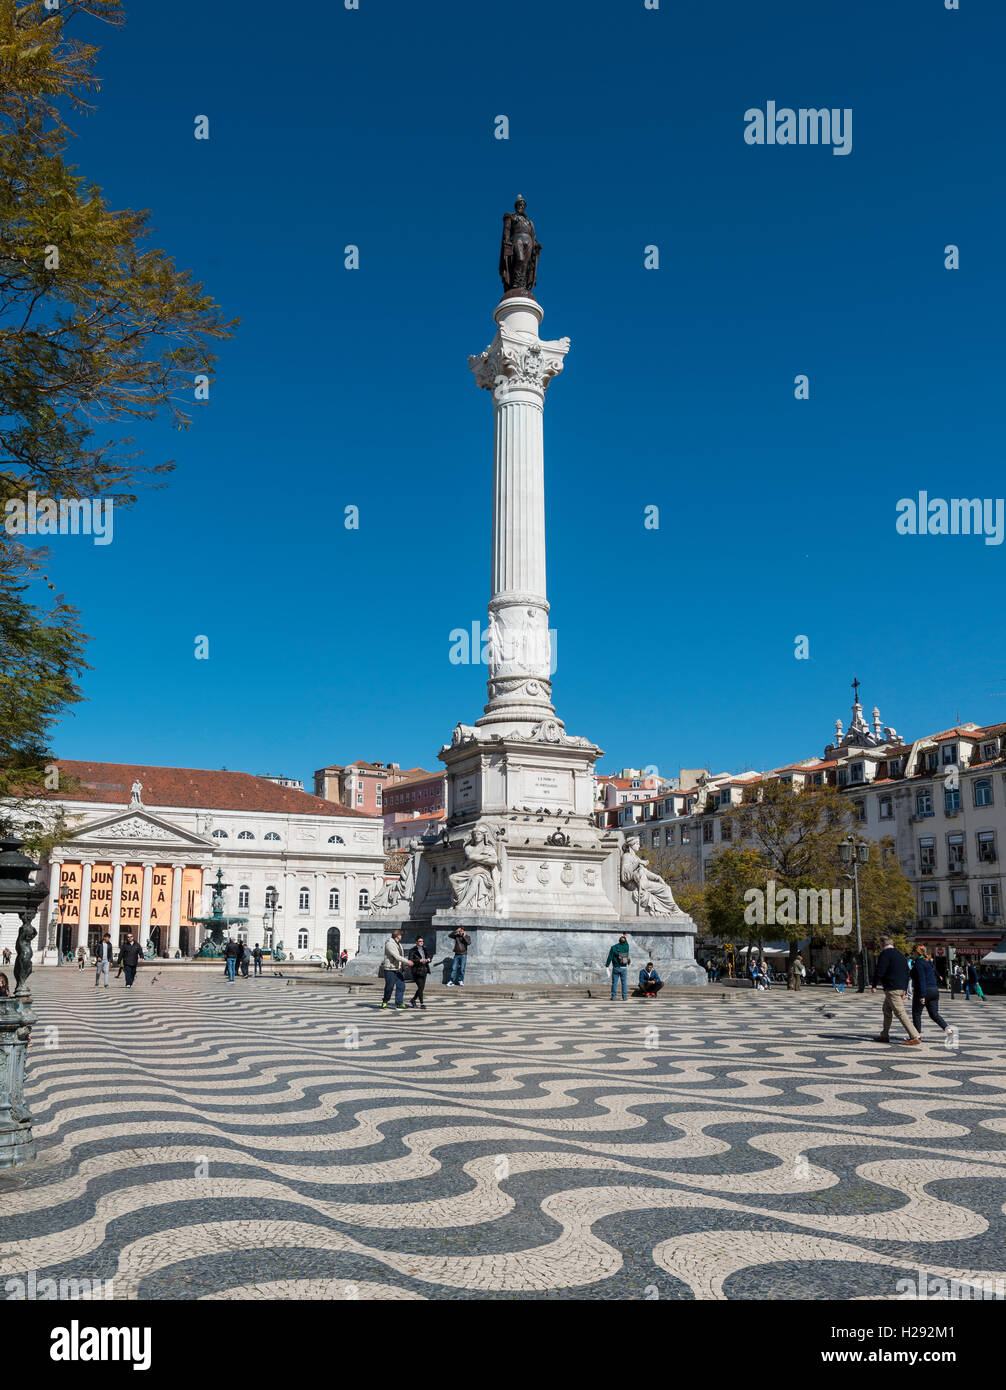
point(18, 895)
point(271, 908)
point(856, 852)
point(64, 894)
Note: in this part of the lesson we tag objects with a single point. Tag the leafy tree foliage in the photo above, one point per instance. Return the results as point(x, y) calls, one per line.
point(97, 329)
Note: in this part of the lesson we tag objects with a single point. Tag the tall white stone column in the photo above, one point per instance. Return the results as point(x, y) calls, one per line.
point(517, 367)
point(83, 922)
point(148, 870)
point(113, 925)
point(176, 910)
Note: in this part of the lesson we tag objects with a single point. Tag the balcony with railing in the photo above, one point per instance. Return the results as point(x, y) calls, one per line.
point(946, 922)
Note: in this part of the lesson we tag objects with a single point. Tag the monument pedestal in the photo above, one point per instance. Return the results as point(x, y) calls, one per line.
point(537, 950)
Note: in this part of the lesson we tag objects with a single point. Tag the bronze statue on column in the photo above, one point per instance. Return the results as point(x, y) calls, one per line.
point(519, 252)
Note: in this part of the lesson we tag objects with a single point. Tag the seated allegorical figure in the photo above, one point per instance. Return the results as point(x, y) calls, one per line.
point(649, 890)
point(474, 886)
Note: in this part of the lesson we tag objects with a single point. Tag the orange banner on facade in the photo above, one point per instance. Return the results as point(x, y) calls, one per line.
point(100, 914)
point(67, 907)
point(160, 899)
point(131, 899)
point(192, 893)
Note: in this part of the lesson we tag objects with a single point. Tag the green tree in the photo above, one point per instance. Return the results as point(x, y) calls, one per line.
point(97, 329)
point(792, 838)
point(682, 875)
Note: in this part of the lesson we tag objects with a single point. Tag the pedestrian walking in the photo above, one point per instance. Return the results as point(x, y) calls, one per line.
point(329, 959)
point(130, 956)
point(461, 941)
point(6, 955)
point(394, 970)
point(650, 983)
point(343, 959)
point(421, 963)
point(795, 973)
point(103, 960)
point(245, 958)
point(926, 992)
point(619, 960)
point(231, 952)
point(80, 958)
point(955, 980)
point(257, 958)
point(891, 975)
point(971, 983)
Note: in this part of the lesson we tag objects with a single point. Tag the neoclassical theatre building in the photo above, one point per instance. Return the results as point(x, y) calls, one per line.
point(146, 843)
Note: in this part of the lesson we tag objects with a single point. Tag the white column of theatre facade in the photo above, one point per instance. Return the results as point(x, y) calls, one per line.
point(148, 870)
point(84, 920)
point(113, 923)
point(175, 926)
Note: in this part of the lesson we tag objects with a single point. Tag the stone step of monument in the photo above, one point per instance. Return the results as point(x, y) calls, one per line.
point(459, 993)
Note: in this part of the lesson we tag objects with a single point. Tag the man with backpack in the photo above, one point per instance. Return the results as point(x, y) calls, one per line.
point(231, 953)
point(618, 959)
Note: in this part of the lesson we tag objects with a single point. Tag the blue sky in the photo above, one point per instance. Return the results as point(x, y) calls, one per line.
point(777, 516)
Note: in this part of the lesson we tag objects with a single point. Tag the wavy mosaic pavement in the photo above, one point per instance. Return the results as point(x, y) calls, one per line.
point(200, 1140)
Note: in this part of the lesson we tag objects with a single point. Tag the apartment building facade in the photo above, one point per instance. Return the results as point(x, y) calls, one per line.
point(941, 798)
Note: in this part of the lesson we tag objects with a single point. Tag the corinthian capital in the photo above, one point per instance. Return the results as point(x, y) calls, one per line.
point(518, 360)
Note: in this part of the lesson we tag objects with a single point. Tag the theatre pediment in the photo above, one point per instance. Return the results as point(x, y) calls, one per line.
point(138, 827)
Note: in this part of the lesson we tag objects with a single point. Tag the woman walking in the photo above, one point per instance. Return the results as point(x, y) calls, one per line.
point(420, 970)
point(926, 990)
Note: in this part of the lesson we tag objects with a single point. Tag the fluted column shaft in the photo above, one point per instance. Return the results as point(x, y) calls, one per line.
point(517, 367)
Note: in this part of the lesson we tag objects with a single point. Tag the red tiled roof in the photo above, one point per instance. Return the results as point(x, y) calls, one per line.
point(361, 764)
point(420, 776)
point(186, 786)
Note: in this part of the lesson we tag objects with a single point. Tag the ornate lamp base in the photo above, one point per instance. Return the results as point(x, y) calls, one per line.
point(17, 1145)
